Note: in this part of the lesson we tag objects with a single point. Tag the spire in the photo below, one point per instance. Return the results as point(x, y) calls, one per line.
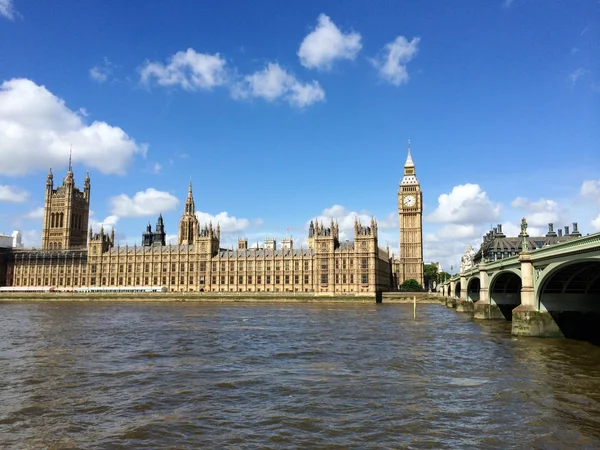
point(190, 207)
point(409, 162)
point(70, 154)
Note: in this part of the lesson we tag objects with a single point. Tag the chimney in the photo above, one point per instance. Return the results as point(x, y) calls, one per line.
point(567, 230)
point(575, 232)
point(560, 232)
point(499, 228)
point(551, 232)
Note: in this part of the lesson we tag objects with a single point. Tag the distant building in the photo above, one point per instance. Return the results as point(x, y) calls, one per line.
point(496, 245)
point(156, 238)
point(12, 241)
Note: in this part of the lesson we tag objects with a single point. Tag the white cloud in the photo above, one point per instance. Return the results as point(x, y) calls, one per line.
point(391, 63)
point(12, 194)
point(109, 223)
point(511, 229)
point(538, 213)
point(576, 75)
point(189, 70)
point(591, 188)
point(229, 224)
point(508, 3)
point(102, 72)
point(7, 9)
point(37, 129)
point(143, 203)
point(31, 239)
point(37, 213)
point(326, 44)
point(156, 168)
point(466, 204)
point(596, 223)
point(273, 83)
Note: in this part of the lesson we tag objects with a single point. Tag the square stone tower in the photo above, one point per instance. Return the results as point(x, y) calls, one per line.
point(66, 213)
point(410, 210)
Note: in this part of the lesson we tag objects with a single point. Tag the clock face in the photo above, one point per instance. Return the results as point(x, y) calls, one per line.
point(409, 200)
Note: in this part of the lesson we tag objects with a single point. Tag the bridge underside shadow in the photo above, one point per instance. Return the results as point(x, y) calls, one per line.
point(572, 297)
point(506, 293)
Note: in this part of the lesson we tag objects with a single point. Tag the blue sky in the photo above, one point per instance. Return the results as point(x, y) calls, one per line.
point(284, 111)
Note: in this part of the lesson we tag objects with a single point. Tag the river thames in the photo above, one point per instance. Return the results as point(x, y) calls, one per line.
point(230, 375)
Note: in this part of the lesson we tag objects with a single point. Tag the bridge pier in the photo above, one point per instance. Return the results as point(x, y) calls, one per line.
point(527, 318)
point(484, 311)
point(466, 306)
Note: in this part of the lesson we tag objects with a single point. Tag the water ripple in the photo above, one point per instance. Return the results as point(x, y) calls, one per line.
point(279, 376)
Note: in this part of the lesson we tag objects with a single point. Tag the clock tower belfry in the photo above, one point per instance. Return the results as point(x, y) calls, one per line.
point(410, 211)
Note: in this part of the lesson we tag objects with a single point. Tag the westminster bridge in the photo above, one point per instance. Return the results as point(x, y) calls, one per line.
point(553, 291)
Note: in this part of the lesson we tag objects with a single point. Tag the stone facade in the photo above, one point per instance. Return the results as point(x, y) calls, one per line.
point(197, 262)
point(66, 213)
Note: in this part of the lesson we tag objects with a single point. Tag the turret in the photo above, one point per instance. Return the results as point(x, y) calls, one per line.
point(50, 181)
point(86, 187)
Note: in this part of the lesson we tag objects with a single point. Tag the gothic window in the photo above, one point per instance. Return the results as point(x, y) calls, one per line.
point(231, 279)
point(259, 279)
point(249, 279)
point(323, 278)
point(203, 267)
point(305, 265)
point(241, 279)
point(364, 278)
point(277, 279)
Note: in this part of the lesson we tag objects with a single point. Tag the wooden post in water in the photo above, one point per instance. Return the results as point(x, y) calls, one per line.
point(414, 307)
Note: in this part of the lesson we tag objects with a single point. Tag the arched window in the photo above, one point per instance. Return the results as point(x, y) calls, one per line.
point(62, 217)
point(52, 220)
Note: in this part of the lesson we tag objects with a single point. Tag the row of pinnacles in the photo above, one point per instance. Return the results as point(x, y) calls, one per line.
point(66, 216)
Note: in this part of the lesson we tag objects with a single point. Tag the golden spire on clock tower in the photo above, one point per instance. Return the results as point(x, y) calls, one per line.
point(410, 210)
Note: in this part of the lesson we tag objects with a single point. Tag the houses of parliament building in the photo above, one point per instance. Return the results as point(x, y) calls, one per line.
point(74, 256)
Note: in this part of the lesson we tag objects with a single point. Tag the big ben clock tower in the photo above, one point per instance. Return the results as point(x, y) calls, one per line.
point(410, 210)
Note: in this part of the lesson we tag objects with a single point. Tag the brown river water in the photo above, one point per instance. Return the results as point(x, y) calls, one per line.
point(245, 376)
